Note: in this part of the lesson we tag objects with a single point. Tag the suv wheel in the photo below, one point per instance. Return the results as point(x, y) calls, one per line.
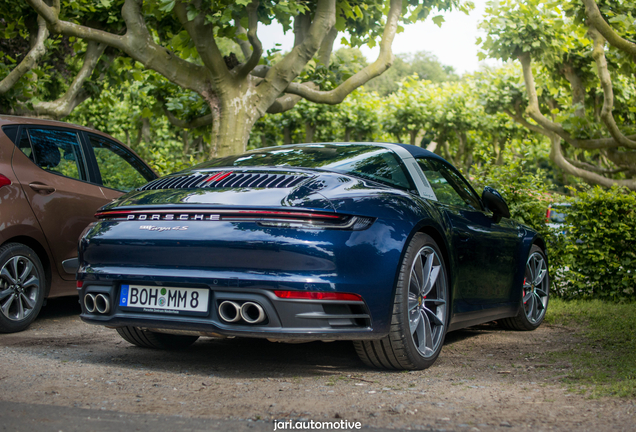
point(22, 284)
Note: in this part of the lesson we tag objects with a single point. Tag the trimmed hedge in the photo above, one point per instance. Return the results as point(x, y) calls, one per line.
point(596, 257)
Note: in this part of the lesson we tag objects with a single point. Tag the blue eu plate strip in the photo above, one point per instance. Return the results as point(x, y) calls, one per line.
point(123, 295)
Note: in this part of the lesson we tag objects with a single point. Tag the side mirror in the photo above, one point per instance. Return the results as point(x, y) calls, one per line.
point(495, 203)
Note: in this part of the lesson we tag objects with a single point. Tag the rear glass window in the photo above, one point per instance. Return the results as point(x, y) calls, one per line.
point(370, 162)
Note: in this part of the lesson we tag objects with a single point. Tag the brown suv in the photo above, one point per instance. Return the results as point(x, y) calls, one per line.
point(53, 177)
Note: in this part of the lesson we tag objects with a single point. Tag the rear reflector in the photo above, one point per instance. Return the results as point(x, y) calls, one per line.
point(313, 295)
point(4, 181)
point(80, 284)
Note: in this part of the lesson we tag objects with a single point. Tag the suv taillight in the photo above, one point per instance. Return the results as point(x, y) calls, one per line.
point(4, 181)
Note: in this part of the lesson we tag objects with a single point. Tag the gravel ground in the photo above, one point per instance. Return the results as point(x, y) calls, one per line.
point(485, 379)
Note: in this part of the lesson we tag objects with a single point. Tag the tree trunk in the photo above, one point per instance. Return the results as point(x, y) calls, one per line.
point(186, 141)
point(502, 147)
point(310, 129)
point(413, 136)
point(347, 136)
point(287, 135)
point(231, 125)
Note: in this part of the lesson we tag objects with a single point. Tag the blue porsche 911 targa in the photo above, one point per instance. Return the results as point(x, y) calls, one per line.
point(386, 245)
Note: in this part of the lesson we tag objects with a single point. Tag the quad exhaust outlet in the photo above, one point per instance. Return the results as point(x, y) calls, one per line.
point(97, 303)
point(250, 312)
point(230, 311)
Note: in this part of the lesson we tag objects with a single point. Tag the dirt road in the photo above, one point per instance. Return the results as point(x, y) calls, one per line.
point(485, 379)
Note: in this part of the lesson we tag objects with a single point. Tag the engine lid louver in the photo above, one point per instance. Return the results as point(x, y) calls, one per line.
point(225, 179)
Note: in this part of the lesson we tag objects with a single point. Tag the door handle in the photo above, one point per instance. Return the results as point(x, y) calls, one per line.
point(42, 188)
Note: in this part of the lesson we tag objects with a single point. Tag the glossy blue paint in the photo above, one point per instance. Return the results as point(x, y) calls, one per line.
point(485, 260)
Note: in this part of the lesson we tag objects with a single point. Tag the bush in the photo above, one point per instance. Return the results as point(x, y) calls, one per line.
point(526, 193)
point(599, 253)
point(596, 256)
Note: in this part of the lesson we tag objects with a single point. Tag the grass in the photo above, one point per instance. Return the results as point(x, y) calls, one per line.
point(605, 362)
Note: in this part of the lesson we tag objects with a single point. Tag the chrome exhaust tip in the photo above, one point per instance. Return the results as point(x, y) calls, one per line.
point(89, 302)
point(102, 303)
point(252, 313)
point(230, 311)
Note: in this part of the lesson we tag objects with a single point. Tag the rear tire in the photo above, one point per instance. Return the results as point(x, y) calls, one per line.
point(534, 295)
point(22, 287)
point(420, 312)
point(150, 339)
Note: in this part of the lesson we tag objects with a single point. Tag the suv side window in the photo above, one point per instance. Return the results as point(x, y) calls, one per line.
point(448, 186)
point(55, 150)
point(119, 169)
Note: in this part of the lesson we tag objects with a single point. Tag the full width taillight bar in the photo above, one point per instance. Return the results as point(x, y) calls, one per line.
point(266, 218)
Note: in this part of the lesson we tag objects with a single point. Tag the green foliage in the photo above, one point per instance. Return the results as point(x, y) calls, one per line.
point(606, 360)
point(527, 193)
point(424, 64)
point(122, 111)
point(596, 255)
point(599, 253)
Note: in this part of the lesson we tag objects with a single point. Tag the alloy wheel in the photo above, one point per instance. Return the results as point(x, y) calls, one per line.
point(535, 287)
point(427, 302)
point(19, 288)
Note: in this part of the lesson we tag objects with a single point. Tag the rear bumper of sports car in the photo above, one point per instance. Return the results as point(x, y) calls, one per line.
point(360, 264)
point(309, 319)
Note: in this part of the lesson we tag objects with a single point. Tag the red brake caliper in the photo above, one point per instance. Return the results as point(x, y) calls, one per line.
point(524, 289)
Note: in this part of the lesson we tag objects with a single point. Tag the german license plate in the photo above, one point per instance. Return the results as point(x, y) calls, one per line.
point(164, 299)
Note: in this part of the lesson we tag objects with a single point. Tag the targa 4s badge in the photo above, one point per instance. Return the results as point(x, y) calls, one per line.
point(160, 229)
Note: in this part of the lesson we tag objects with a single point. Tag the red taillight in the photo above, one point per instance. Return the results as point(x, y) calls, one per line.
point(4, 181)
point(267, 213)
point(547, 215)
point(80, 284)
point(313, 295)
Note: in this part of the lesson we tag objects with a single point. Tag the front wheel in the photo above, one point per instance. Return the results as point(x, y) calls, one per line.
point(534, 295)
point(22, 287)
point(420, 312)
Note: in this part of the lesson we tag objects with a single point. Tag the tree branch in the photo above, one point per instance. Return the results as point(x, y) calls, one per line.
point(598, 53)
point(75, 94)
point(29, 61)
point(590, 167)
point(137, 43)
point(302, 23)
point(597, 21)
point(382, 63)
point(534, 112)
point(324, 53)
point(246, 47)
point(556, 154)
point(257, 48)
point(205, 120)
point(203, 38)
point(522, 121)
point(578, 89)
point(286, 102)
point(285, 71)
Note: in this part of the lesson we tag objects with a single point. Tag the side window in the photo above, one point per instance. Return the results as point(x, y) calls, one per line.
point(119, 168)
point(55, 150)
point(25, 145)
point(448, 186)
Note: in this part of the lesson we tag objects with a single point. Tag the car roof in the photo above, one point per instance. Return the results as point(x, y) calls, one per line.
point(415, 151)
point(6, 120)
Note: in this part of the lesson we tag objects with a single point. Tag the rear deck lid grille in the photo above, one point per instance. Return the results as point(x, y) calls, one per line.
point(226, 179)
